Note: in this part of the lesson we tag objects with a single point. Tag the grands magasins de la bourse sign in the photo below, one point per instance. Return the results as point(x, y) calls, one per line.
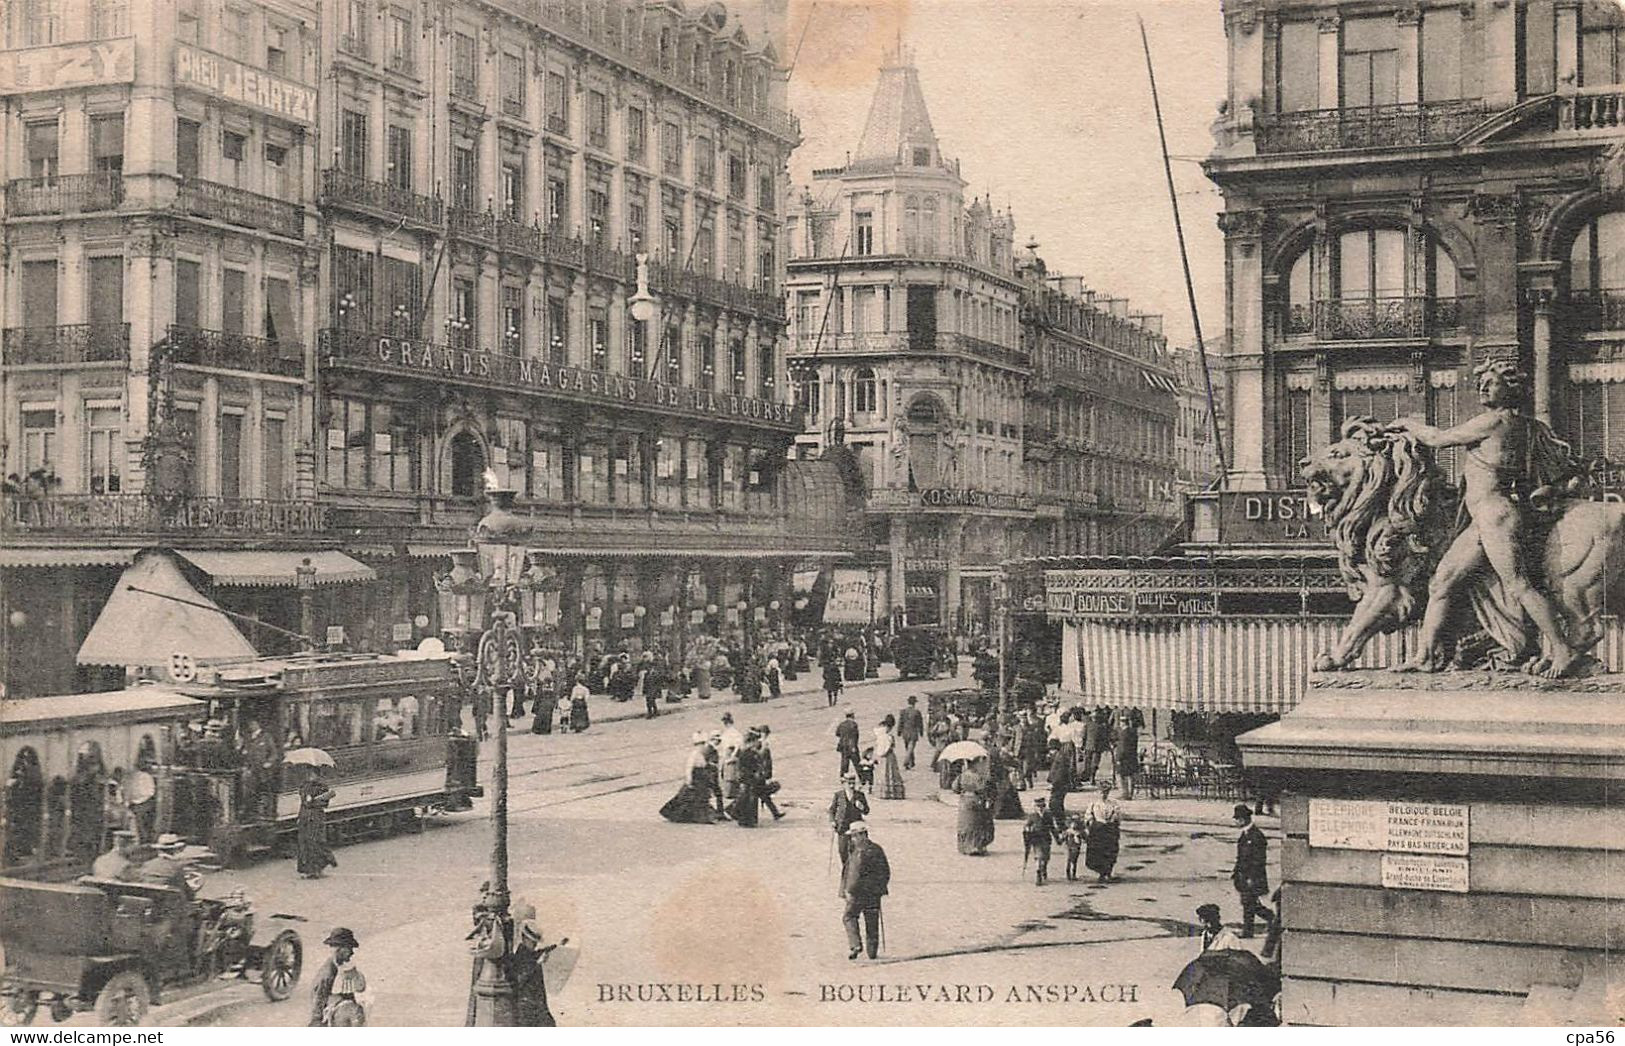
point(386, 354)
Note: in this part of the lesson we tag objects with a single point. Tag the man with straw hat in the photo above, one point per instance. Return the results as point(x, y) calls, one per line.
point(865, 882)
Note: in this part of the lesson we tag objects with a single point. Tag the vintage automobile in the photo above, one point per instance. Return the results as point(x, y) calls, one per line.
point(117, 947)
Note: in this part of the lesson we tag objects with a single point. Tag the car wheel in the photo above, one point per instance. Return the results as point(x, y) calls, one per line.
point(17, 1009)
point(280, 965)
point(122, 1002)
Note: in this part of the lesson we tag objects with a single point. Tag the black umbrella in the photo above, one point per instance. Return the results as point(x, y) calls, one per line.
point(1227, 978)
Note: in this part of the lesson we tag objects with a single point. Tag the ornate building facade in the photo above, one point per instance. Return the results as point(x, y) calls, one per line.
point(927, 348)
point(323, 313)
point(1411, 189)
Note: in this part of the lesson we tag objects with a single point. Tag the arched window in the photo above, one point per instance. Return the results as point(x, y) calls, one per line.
point(1300, 293)
point(865, 398)
point(1597, 259)
point(467, 465)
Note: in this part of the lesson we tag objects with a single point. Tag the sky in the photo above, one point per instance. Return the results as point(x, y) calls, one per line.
point(1046, 105)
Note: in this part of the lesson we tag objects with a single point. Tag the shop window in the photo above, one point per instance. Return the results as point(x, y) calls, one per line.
point(467, 466)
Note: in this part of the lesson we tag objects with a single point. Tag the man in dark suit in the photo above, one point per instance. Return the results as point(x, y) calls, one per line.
point(910, 728)
point(1062, 759)
point(864, 883)
point(846, 742)
point(847, 808)
point(1251, 874)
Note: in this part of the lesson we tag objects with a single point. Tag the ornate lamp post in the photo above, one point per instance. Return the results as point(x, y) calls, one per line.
point(304, 576)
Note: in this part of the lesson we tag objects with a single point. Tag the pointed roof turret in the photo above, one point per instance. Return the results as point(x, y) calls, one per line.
point(899, 126)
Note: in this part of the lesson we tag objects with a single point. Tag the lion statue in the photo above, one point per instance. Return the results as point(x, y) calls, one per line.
point(1383, 505)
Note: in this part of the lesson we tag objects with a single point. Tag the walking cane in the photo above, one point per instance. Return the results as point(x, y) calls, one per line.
point(882, 947)
point(829, 865)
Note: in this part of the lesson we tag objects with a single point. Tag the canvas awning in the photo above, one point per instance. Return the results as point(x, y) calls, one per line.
point(140, 626)
point(66, 557)
point(276, 569)
point(142, 704)
point(1229, 664)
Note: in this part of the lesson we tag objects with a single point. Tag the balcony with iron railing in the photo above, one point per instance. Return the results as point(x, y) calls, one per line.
point(469, 224)
point(464, 86)
point(1369, 127)
point(402, 62)
point(128, 517)
point(230, 350)
point(600, 36)
point(240, 207)
point(518, 238)
point(558, 123)
point(65, 194)
point(353, 192)
point(67, 343)
point(1386, 318)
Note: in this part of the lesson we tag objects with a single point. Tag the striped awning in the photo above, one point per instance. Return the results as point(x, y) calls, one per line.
point(275, 569)
point(1232, 664)
point(66, 557)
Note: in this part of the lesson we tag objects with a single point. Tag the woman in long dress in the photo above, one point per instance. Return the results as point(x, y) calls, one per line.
point(1104, 822)
point(314, 855)
point(886, 756)
point(692, 803)
point(1006, 803)
point(975, 815)
point(578, 706)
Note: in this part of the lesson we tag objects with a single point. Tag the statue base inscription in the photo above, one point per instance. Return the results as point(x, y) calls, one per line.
point(1391, 920)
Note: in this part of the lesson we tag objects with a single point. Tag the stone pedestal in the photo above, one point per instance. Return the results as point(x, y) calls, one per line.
point(1452, 849)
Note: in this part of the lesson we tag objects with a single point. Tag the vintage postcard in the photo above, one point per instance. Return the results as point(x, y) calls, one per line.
point(970, 513)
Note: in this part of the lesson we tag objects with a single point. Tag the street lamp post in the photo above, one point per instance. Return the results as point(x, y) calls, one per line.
point(1001, 608)
point(870, 669)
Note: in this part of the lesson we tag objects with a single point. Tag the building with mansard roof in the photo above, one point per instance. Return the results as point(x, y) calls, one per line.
point(991, 411)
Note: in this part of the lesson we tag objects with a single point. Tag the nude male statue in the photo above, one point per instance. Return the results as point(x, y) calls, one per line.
point(1497, 446)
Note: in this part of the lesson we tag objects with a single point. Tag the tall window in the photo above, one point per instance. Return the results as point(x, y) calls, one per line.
point(233, 300)
point(737, 176)
point(558, 203)
point(465, 176)
point(278, 323)
point(863, 233)
point(513, 320)
point(558, 104)
point(597, 118)
point(671, 149)
point(464, 62)
point(598, 339)
point(104, 439)
point(401, 57)
point(637, 344)
point(186, 148)
point(41, 22)
point(400, 157)
point(767, 259)
point(231, 453)
point(402, 294)
point(736, 367)
point(464, 321)
point(1297, 66)
point(1441, 54)
point(928, 226)
point(765, 379)
point(42, 150)
point(1370, 61)
point(705, 163)
point(1371, 264)
point(708, 360)
point(109, 18)
point(671, 348)
point(274, 461)
point(353, 143)
point(636, 135)
point(234, 32)
point(513, 83)
point(513, 190)
point(1602, 57)
point(354, 17)
point(352, 288)
point(558, 332)
point(233, 150)
point(865, 398)
point(39, 438)
point(637, 224)
point(766, 193)
point(188, 293)
point(911, 225)
point(808, 395)
point(705, 245)
point(598, 216)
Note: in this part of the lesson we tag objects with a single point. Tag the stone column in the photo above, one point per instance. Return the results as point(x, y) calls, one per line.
point(1250, 414)
point(897, 537)
point(953, 541)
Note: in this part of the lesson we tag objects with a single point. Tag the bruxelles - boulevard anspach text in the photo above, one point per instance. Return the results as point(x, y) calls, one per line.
point(978, 993)
point(680, 992)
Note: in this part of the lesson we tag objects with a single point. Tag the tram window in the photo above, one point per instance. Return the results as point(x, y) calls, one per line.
point(410, 716)
point(333, 724)
point(387, 722)
point(56, 817)
point(146, 754)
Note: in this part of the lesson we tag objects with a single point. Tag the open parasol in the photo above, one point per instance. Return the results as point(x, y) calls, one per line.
point(308, 757)
point(959, 750)
point(1227, 978)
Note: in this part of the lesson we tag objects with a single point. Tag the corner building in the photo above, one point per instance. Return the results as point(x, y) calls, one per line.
point(1411, 189)
point(495, 169)
point(947, 367)
point(160, 269)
